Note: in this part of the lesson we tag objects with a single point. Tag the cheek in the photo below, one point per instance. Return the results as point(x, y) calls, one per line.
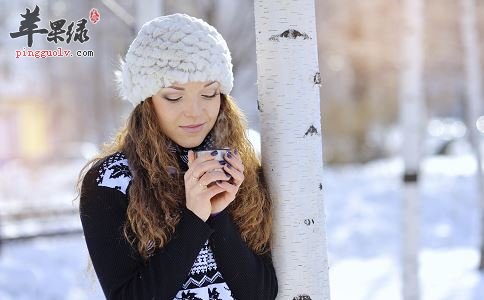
point(165, 114)
point(214, 110)
point(158, 111)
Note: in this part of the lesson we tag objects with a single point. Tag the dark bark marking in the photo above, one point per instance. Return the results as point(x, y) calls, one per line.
point(317, 78)
point(312, 130)
point(309, 221)
point(410, 177)
point(289, 34)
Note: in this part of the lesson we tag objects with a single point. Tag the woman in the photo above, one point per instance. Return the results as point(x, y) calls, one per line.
point(153, 228)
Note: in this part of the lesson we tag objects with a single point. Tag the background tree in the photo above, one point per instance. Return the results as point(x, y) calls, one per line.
point(412, 119)
point(474, 95)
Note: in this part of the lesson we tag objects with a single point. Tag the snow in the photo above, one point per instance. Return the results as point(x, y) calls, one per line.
point(47, 268)
point(363, 234)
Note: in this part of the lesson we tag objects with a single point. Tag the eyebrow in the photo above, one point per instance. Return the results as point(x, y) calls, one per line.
point(182, 89)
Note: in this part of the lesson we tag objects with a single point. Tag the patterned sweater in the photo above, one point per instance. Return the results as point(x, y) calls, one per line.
point(203, 260)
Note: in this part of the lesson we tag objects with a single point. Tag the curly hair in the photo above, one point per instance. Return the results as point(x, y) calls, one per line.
point(155, 195)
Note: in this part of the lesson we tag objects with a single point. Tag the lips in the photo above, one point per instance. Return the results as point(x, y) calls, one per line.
point(192, 129)
point(192, 126)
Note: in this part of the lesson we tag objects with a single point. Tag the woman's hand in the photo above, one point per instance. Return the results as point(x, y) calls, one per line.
point(235, 168)
point(197, 178)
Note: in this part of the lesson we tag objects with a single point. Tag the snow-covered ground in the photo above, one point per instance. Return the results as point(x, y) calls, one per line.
point(363, 227)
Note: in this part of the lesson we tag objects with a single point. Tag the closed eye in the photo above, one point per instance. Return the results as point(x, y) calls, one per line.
point(176, 99)
point(173, 100)
point(212, 96)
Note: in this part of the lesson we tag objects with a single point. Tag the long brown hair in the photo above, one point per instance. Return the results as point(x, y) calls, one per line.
point(155, 196)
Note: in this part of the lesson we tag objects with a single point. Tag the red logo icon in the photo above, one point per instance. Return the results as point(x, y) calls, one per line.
point(94, 16)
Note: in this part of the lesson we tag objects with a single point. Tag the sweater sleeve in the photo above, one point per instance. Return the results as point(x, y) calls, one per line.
point(121, 272)
point(249, 276)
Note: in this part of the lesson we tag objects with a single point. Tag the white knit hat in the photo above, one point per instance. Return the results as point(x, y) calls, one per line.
point(173, 48)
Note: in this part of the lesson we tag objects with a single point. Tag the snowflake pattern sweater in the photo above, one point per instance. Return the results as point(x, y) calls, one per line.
point(203, 260)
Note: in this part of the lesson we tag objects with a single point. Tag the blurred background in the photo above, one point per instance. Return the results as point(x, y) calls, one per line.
point(56, 112)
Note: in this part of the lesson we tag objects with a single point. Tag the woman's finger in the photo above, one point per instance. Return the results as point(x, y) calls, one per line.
point(201, 164)
point(232, 189)
point(238, 177)
point(213, 176)
point(234, 161)
point(213, 190)
point(190, 157)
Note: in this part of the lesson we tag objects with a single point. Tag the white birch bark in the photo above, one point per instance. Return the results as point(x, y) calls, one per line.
point(412, 118)
point(291, 142)
point(474, 95)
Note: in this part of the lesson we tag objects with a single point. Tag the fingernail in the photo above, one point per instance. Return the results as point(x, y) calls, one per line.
point(219, 181)
point(229, 155)
point(214, 152)
point(229, 165)
point(228, 175)
point(222, 162)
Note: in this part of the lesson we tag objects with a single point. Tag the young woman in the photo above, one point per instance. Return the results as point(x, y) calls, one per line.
point(153, 226)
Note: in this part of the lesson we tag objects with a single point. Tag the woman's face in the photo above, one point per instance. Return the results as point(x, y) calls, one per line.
point(181, 105)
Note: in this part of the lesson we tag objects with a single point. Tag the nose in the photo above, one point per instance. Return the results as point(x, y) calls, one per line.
point(194, 108)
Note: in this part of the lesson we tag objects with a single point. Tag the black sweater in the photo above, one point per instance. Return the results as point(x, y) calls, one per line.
point(203, 260)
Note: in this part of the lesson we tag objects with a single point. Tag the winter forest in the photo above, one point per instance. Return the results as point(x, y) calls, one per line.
point(368, 117)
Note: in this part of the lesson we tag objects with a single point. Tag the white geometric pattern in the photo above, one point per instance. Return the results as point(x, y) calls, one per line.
point(210, 292)
point(115, 173)
point(210, 286)
point(204, 261)
point(202, 281)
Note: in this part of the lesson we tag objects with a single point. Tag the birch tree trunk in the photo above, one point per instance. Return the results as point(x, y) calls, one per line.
point(411, 118)
point(474, 95)
point(291, 142)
